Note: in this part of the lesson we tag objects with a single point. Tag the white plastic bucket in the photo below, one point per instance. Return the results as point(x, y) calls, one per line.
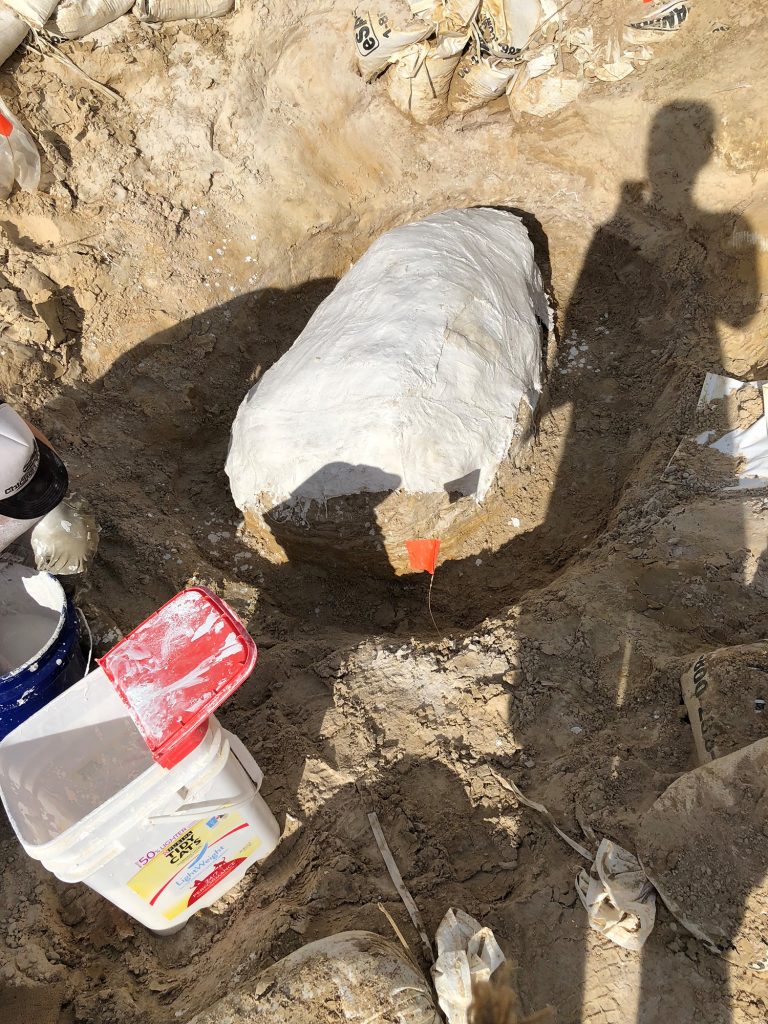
point(86, 799)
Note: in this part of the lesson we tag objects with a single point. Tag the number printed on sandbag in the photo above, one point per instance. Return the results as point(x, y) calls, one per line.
point(365, 37)
point(700, 682)
point(668, 22)
point(474, 60)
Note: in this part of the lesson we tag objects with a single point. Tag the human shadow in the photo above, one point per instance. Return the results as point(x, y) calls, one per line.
point(656, 280)
point(642, 320)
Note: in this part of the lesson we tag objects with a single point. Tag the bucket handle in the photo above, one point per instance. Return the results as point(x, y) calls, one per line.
point(246, 759)
point(252, 770)
point(81, 616)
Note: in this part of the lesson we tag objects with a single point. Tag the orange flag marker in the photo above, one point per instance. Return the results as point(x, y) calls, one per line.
point(422, 555)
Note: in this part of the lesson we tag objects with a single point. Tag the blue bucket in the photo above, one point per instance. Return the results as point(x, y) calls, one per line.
point(40, 654)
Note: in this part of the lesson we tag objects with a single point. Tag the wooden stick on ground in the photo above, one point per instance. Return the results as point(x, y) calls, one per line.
point(397, 879)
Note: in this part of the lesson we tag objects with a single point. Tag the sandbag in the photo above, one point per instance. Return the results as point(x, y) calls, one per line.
point(33, 12)
point(182, 10)
point(545, 96)
point(13, 32)
point(384, 34)
point(506, 25)
point(726, 695)
point(704, 846)
point(19, 156)
point(401, 397)
point(74, 19)
point(478, 79)
point(419, 81)
point(356, 977)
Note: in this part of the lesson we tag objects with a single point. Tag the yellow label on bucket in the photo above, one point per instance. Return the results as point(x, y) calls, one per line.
point(189, 865)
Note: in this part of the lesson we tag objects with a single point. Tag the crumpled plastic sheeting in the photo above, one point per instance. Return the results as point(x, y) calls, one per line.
point(466, 953)
point(408, 376)
point(749, 444)
point(65, 541)
point(619, 900)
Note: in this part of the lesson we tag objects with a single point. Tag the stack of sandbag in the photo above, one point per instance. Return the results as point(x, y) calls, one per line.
point(390, 416)
point(442, 57)
point(73, 19)
point(431, 53)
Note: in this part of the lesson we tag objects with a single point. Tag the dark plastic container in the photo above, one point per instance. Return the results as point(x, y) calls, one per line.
point(30, 687)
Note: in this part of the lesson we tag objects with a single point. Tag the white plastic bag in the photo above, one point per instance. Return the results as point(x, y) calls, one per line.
point(182, 10)
point(384, 34)
point(74, 19)
point(619, 900)
point(479, 79)
point(467, 954)
point(353, 976)
point(419, 82)
point(19, 158)
point(13, 31)
point(408, 376)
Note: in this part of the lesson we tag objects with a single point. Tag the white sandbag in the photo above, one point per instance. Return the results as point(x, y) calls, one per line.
point(704, 846)
point(182, 10)
point(726, 695)
point(19, 156)
point(385, 33)
point(34, 12)
point(353, 976)
point(506, 25)
point(409, 377)
point(419, 82)
point(74, 19)
point(13, 31)
point(546, 95)
point(478, 80)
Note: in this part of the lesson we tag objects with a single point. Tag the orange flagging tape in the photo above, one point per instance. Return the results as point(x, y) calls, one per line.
point(423, 555)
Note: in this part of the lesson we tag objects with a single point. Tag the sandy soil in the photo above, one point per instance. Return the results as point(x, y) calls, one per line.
point(187, 233)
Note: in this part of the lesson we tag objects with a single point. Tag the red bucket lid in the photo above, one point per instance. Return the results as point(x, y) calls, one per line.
point(177, 667)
